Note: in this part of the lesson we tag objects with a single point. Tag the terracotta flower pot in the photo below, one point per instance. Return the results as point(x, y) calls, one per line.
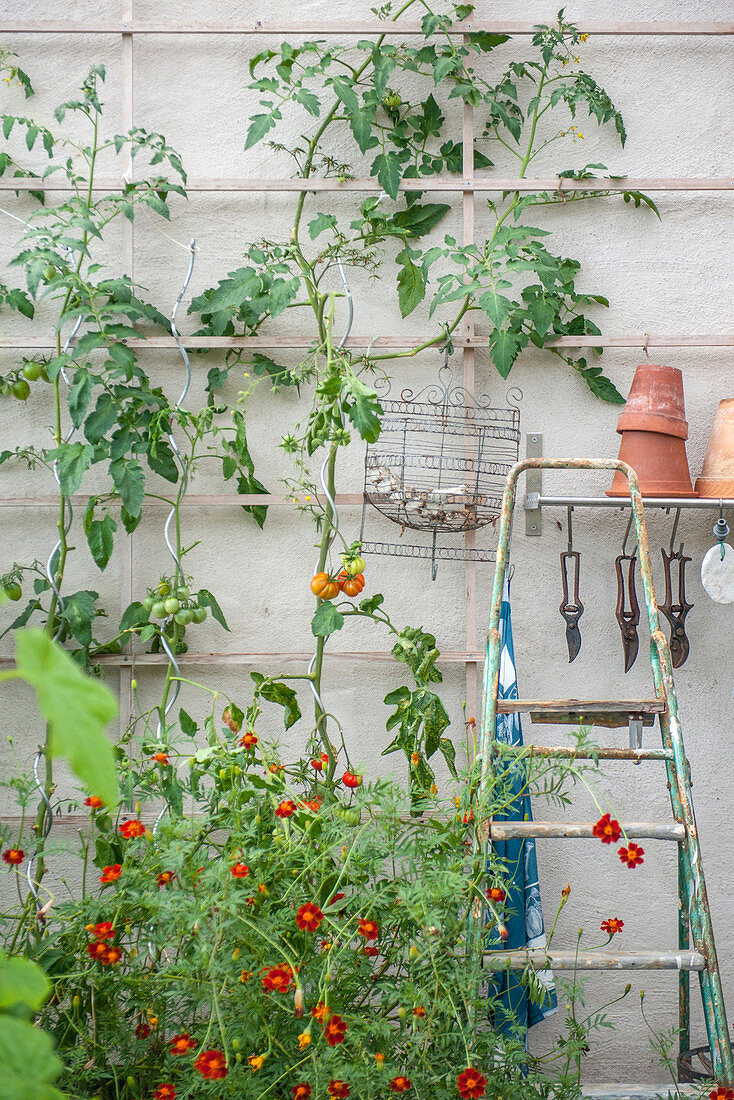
point(655, 402)
point(717, 475)
point(660, 463)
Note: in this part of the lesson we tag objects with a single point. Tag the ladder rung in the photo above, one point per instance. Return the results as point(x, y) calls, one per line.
point(646, 830)
point(637, 1092)
point(501, 749)
point(594, 960)
point(612, 713)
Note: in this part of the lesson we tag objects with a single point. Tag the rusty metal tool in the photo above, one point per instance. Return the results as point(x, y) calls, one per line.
point(571, 609)
point(627, 617)
point(676, 612)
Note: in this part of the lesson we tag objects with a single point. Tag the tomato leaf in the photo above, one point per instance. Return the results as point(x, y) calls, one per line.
point(326, 620)
point(77, 708)
point(419, 220)
point(129, 481)
point(387, 168)
point(187, 723)
point(281, 694)
point(100, 538)
point(135, 614)
point(207, 600)
point(364, 410)
point(447, 750)
point(411, 283)
point(72, 460)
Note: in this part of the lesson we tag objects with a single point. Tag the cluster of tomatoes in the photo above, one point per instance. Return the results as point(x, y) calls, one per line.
point(350, 580)
point(164, 601)
point(17, 384)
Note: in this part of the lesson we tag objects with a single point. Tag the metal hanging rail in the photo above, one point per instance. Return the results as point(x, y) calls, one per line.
point(368, 26)
point(533, 501)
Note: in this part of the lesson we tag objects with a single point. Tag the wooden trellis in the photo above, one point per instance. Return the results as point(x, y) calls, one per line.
point(467, 338)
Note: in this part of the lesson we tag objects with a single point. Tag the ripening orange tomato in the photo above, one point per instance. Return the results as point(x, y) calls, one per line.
point(324, 586)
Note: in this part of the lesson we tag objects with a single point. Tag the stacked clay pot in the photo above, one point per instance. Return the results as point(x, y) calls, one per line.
point(717, 475)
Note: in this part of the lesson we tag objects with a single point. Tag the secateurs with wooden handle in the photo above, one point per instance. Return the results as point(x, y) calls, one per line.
point(676, 612)
point(571, 609)
point(627, 617)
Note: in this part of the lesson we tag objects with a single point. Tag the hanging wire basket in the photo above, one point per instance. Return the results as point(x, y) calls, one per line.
point(440, 463)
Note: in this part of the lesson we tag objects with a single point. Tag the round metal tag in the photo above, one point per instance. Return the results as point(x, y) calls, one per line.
point(717, 575)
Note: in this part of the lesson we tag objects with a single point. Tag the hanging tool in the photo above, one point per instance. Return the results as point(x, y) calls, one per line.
point(628, 618)
point(676, 612)
point(571, 609)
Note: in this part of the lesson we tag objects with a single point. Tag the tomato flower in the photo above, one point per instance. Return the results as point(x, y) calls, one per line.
point(631, 855)
point(111, 873)
point(181, 1044)
point(211, 1064)
point(607, 830)
point(132, 828)
point(335, 1030)
point(370, 929)
point(278, 979)
point(103, 931)
point(471, 1084)
point(320, 1012)
point(160, 758)
point(338, 1089)
point(165, 878)
point(248, 740)
point(496, 894)
point(612, 925)
point(286, 808)
point(94, 801)
point(239, 870)
point(400, 1084)
point(14, 856)
point(165, 1092)
point(309, 917)
point(301, 1092)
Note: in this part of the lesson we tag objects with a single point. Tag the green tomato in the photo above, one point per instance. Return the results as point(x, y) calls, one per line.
point(13, 591)
point(21, 389)
point(32, 370)
point(49, 272)
point(354, 566)
point(158, 610)
point(172, 605)
point(148, 602)
point(199, 614)
point(183, 592)
point(184, 616)
point(164, 589)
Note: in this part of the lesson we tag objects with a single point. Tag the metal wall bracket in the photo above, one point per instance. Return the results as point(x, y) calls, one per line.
point(534, 487)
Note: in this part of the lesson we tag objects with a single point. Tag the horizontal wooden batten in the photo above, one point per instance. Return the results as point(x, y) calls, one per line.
point(599, 752)
point(157, 660)
point(581, 830)
point(428, 183)
point(581, 707)
point(595, 960)
point(365, 27)
point(200, 500)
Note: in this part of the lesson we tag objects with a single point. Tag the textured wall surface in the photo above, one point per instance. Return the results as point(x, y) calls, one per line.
point(672, 276)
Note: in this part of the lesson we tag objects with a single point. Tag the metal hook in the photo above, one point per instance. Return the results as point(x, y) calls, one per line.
point(627, 535)
point(672, 533)
point(569, 512)
point(721, 528)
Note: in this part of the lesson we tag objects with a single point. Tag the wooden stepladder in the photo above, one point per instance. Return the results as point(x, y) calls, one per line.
point(694, 923)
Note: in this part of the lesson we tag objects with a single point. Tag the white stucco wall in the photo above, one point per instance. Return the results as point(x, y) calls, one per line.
point(672, 276)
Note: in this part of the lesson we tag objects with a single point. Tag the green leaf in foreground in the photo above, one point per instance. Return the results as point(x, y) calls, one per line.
point(77, 709)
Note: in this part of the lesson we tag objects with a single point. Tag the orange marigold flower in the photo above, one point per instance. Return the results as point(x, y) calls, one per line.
point(370, 952)
point(286, 808)
point(14, 856)
point(103, 931)
point(612, 926)
point(338, 1089)
point(94, 801)
point(496, 894)
point(304, 1040)
point(420, 1011)
point(415, 758)
point(165, 1092)
point(262, 888)
point(181, 1044)
point(471, 1084)
point(97, 949)
point(160, 758)
point(335, 1030)
point(165, 878)
point(239, 870)
point(607, 830)
point(721, 1092)
point(301, 1092)
point(255, 1062)
point(379, 1058)
point(111, 873)
point(278, 979)
point(248, 740)
point(111, 956)
point(400, 1084)
point(132, 828)
point(370, 929)
point(631, 855)
point(142, 1031)
point(320, 1012)
point(309, 917)
point(211, 1064)
point(245, 975)
point(275, 768)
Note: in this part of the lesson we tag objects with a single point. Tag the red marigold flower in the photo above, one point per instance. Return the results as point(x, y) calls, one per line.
point(471, 1084)
point(420, 1012)
point(97, 949)
point(607, 830)
point(309, 917)
point(94, 801)
point(160, 758)
point(286, 808)
point(335, 899)
point(721, 1092)
point(370, 929)
point(400, 1084)
point(165, 878)
point(301, 1092)
point(278, 979)
point(335, 1030)
point(320, 1012)
point(612, 926)
point(132, 828)
point(370, 952)
point(248, 740)
point(211, 1064)
point(111, 873)
point(165, 1092)
point(338, 1089)
point(142, 1031)
point(111, 956)
point(14, 856)
point(181, 1044)
point(239, 870)
point(103, 931)
point(631, 855)
point(496, 894)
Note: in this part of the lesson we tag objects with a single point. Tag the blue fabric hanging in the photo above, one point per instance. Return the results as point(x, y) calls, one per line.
point(522, 910)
